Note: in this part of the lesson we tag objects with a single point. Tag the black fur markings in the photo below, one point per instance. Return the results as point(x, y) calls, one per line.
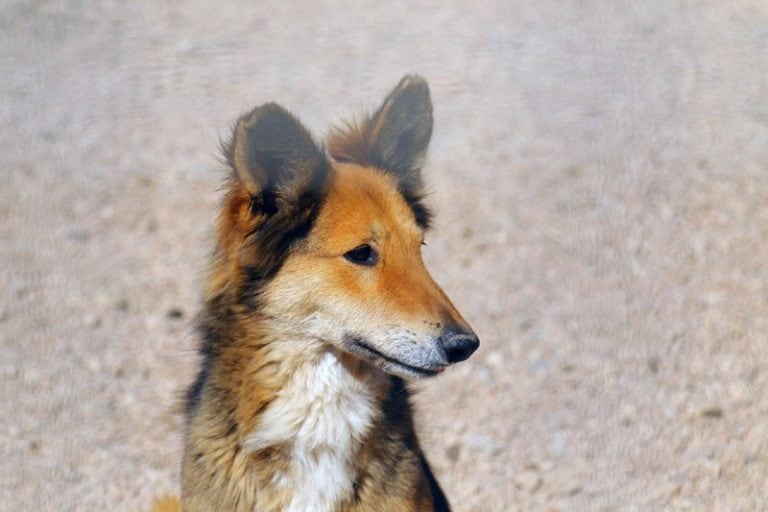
point(421, 211)
point(272, 243)
point(438, 496)
point(264, 204)
point(397, 411)
point(195, 391)
point(214, 328)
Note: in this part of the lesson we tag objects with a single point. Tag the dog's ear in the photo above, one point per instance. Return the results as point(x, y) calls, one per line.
point(279, 177)
point(275, 158)
point(395, 137)
point(401, 129)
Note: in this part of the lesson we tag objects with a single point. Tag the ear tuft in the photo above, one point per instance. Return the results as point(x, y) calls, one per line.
point(274, 156)
point(395, 137)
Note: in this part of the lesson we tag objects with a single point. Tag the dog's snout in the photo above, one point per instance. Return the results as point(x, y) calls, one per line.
point(458, 344)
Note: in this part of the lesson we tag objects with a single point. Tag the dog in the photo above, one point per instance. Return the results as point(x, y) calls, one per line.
point(317, 310)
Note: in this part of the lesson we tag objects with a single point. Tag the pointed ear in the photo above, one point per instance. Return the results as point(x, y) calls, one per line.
point(402, 127)
point(275, 158)
point(395, 137)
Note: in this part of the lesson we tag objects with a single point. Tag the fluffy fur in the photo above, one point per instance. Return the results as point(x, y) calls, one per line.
point(317, 307)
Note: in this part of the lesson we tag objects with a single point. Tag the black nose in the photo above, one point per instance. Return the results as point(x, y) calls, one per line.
point(458, 345)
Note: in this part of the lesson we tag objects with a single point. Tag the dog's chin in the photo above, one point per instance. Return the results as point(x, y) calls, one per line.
point(391, 364)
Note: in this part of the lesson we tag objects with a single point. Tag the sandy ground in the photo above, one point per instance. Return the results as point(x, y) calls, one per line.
point(601, 177)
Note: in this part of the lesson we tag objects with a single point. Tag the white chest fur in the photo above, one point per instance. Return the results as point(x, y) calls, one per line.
point(322, 413)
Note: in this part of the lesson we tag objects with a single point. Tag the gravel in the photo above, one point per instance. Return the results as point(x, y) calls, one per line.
point(600, 176)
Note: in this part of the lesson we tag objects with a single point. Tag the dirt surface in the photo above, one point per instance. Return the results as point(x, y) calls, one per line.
point(600, 175)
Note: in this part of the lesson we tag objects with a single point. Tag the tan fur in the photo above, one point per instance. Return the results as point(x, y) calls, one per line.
point(365, 205)
point(167, 504)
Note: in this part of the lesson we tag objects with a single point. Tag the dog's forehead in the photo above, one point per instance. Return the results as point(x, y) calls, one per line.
point(364, 203)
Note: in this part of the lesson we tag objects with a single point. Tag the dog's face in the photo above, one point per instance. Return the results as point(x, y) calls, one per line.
point(358, 281)
point(347, 235)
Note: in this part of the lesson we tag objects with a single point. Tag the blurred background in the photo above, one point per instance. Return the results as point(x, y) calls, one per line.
point(600, 175)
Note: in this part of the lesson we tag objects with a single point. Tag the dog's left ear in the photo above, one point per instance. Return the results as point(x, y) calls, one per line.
point(395, 137)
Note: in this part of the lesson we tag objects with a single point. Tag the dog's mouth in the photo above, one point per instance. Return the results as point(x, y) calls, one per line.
point(388, 363)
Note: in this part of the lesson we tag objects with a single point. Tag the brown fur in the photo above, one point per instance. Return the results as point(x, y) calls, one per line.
point(288, 219)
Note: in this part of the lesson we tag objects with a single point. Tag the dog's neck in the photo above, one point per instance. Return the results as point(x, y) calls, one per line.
point(324, 397)
point(324, 408)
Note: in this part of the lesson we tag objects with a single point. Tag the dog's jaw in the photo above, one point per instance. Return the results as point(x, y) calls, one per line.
point(406, 368)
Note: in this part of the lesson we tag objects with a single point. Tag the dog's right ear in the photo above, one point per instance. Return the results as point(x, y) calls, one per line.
point(275, 159)
point(394, 139)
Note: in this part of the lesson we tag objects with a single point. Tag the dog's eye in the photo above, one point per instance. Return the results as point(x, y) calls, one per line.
point(362, 255)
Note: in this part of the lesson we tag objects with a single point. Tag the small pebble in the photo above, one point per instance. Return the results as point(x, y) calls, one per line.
point(79, 235)
point(453, 452)
point(653, 364)
point(175, 314)
point(529, 480)
point(573, 488)
point(713, 412)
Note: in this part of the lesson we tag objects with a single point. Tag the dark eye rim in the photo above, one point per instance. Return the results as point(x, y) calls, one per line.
point(362, 255)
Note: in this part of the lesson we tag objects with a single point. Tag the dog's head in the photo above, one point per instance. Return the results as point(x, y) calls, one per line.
point(332, 246)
